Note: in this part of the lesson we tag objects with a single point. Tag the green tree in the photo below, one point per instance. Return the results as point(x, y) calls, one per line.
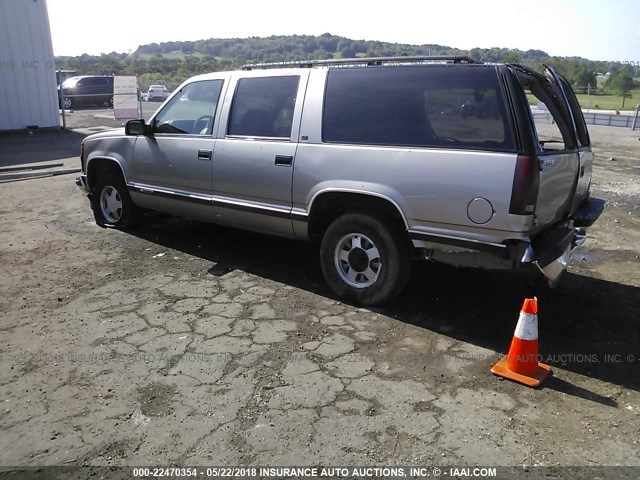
point(347, 52)
point(584, 76)
point(622, 83)
point(512, 57)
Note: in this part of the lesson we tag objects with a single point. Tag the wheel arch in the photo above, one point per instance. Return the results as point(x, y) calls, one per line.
point(102, 165)
point(327, 205)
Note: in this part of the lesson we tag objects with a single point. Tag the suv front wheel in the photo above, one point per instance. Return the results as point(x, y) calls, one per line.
point(111, 204)
point(365, 259)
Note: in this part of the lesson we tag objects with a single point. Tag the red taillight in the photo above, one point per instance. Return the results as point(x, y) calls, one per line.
point(525, 186)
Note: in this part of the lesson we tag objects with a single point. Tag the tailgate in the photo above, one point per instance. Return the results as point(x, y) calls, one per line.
point(557, 185)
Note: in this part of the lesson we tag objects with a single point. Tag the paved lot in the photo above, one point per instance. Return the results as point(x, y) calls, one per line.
point(185, 343)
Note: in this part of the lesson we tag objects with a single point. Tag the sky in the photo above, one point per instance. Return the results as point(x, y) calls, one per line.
point(607, 30)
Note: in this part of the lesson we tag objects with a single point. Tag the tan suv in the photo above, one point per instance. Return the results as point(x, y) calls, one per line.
point(377, 159)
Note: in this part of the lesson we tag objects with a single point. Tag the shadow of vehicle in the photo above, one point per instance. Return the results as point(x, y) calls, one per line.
point(587, 326)
point(42, 146)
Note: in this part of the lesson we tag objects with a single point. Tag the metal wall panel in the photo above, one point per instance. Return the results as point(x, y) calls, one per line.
point(28, 94)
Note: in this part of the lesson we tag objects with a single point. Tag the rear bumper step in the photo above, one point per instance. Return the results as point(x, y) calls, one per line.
point(551, 251)
point(550, 245)
point(588, 212)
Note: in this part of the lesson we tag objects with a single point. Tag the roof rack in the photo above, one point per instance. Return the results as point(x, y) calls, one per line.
point(367, 61)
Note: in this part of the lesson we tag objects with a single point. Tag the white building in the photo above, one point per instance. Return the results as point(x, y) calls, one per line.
point(28, 94)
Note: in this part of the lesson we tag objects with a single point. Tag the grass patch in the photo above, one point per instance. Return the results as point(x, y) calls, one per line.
point(609, 101)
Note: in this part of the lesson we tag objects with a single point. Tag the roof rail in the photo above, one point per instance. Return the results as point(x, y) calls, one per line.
point(367, 61)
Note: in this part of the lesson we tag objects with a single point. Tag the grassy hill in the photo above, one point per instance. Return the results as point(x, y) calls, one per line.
point(170, 63)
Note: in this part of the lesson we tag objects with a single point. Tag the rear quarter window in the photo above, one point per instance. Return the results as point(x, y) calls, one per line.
point(427, 106)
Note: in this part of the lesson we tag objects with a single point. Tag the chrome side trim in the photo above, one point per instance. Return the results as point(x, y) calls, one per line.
point(498, 248)
point(219, 201)
point(257, 138)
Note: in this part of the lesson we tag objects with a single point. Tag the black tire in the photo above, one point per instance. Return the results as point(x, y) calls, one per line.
point(109, 192)
point(372, 282)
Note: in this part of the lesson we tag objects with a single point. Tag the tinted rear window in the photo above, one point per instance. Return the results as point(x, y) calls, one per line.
point(263, 107)
point(432, 106)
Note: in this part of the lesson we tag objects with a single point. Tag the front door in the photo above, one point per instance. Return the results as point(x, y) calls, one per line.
point(173, 163)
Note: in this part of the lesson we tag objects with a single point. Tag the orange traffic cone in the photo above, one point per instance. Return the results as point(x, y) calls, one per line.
point(521, 363)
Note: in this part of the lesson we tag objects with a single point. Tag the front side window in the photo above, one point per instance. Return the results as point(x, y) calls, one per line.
point(427, 106)
point(191, 111)
point(263, 107)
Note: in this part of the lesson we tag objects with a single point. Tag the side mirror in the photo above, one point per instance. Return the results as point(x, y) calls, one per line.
point(137, 127)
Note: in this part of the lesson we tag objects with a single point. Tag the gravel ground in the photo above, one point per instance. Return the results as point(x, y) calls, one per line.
point(189, 344)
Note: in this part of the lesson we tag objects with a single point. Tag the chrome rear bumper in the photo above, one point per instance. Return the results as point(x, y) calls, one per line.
point(552, 270)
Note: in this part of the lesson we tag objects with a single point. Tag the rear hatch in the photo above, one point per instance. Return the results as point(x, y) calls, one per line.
point(561, 146)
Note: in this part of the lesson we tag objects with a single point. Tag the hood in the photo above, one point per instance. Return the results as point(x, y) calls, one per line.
point(115, 132)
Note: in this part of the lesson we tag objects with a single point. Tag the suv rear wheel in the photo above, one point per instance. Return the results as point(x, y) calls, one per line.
point(111, 204)
point(364, 259)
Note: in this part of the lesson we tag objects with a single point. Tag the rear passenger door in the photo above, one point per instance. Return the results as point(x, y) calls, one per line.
point(254, 159)
point(96, 88)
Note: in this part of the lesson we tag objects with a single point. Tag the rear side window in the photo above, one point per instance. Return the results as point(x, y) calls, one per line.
point(263, 107)
point(432, 106)
point(95, 81)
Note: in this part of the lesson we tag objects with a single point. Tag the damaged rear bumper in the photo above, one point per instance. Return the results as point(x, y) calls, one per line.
point(551, 250)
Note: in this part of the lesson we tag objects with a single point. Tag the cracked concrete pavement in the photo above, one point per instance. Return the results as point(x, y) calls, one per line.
point(190, 344)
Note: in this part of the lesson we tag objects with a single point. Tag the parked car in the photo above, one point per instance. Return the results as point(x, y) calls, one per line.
point(374, 161)
point(62, 75)
point(157, 93)
point(87, 90)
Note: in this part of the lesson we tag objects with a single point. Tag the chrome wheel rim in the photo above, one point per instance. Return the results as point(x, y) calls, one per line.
point(111, 204)
point(357, 260)
point(67, 102)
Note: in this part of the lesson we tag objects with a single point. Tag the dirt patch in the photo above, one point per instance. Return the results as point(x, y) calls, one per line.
point(156, 400)
point(230, 350)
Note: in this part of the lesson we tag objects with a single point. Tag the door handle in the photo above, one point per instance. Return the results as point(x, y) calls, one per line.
point(284, 160)
point(204, 154)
